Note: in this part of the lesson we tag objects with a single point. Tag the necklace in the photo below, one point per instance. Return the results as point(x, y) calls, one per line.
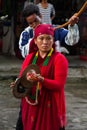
point(35, 96)
point(45, 63)
point(38, 86)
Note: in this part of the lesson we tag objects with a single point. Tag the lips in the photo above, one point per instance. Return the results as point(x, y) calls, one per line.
point(45, 46)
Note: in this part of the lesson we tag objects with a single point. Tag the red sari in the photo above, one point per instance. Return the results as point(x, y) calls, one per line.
point(49, 113)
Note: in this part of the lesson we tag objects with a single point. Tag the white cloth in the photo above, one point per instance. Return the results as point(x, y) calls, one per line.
point(71, 38)
point(26, 3)
point(73, 35)
point(46, 13)
point(25, 48)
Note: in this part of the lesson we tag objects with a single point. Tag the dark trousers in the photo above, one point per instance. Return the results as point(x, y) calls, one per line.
point(19, 125)
point(62, 128)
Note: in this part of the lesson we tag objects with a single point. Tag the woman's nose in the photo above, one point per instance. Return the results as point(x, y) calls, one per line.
point(45, 40)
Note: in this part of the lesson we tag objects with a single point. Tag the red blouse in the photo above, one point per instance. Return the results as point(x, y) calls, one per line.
point(50, 112)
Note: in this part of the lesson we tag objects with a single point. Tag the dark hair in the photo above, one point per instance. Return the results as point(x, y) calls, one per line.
point(27, 11)
point(30, 9)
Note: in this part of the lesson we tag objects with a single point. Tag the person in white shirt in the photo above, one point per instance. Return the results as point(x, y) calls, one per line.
point(62, 36)
point(47, 11)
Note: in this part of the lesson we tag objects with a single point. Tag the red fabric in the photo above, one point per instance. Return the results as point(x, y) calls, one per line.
point(49, 114)
point(43, 29)
point(32, 47)
point(25, 63)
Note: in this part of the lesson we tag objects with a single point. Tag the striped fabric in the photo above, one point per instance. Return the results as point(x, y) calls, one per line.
point(46, 13)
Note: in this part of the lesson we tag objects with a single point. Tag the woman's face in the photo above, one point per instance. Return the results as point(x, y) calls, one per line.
point(44, 42)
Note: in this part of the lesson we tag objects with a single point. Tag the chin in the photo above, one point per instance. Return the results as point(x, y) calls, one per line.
point(45, 48)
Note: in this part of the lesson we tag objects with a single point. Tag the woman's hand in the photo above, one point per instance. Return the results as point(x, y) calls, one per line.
point(12, 86)
point(74, 19)
point(33, 77)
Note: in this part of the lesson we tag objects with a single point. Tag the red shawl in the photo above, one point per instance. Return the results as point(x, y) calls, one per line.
point(50, 113)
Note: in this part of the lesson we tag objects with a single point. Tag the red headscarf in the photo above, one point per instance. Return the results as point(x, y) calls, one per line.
point(43, 29)
point(39, 30)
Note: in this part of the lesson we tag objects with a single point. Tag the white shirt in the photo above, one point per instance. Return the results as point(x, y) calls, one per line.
point(46, 13)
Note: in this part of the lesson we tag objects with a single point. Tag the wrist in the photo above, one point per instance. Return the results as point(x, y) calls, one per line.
point(41, 79)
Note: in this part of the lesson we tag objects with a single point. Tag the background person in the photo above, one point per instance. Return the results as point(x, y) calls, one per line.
point(47, 11)
point(27, 2)
point(50, 111)
point(31, 18)
point(31, 15)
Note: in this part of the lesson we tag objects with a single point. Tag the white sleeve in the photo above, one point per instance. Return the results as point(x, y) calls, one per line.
point(73, 35)
point(24, 42)
point(25, 49)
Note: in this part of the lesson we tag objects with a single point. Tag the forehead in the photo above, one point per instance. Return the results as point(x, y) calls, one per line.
point(44, 36)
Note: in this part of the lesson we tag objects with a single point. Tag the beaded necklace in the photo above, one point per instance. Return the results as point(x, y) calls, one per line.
point(38, 86)
point(45, 63)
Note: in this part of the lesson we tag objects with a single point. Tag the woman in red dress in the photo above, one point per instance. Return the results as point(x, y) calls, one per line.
point(45, 110)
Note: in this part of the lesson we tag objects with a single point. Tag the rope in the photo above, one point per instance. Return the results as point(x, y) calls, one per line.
point(77, 14)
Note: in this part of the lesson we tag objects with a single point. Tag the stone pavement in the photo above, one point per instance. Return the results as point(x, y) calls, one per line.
point(10, 66)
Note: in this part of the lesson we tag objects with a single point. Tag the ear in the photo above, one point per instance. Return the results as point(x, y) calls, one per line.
point(35, 41)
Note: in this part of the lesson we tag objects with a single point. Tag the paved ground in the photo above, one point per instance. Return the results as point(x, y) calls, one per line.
point(11, 65)
point(75, 90)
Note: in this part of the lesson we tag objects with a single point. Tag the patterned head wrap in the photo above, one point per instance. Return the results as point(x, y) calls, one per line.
point(43, 29)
